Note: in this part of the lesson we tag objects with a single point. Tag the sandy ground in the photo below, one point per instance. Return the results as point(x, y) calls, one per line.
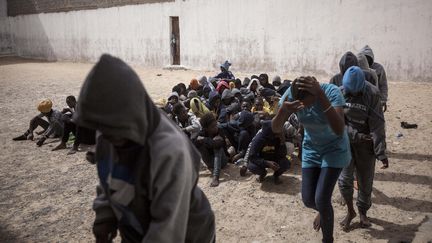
point(47, 196)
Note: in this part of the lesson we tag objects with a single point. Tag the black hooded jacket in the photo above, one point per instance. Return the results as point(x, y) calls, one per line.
point(348, 60)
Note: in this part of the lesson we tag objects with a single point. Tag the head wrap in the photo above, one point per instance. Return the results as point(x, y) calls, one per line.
point(194, 84)
point(45, 106)
point(197, 107)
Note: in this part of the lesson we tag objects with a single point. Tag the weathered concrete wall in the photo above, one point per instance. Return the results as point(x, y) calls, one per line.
point(6, 41)
point(306, 36)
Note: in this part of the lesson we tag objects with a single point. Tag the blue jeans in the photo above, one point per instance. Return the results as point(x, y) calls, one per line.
point(317, 189)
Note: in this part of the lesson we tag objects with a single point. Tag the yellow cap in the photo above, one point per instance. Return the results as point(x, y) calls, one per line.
point(45, 106)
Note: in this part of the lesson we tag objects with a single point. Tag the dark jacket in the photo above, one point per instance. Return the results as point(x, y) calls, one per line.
point(379, 69)
point(347, 60)
point(148, 189)
point(363, 114)
point(265, 137)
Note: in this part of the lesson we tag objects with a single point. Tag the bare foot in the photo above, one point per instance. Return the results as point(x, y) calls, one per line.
point(215, 181)
point(364, 221)
point(317, 223)
point(346, 222)
point(60, 146)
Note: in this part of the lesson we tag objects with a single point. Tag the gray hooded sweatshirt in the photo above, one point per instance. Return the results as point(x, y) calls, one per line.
point(363, 114)
point(379, 69)
point(370, 74)
point(148, 189)
point(347, 60)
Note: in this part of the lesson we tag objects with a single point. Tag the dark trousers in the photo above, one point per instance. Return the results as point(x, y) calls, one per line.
point(260, 168)
point(70, 127)
point(82, 134)
point(363, 164)
point(317, 190)
point(214, 159)
point(37, 121)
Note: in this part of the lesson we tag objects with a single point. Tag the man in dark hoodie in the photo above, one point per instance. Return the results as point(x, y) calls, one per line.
point(268, 150)
point(382, 77)
point(146, 192)
point(366, 130)
point(347, 60)
point(225, 73)
point(264, 81)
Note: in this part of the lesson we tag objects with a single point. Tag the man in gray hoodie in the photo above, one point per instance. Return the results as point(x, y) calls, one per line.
point(379, 69)
point(366, 129)
point(148, 169)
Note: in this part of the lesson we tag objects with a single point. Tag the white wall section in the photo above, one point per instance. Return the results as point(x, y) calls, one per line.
point(306, 36)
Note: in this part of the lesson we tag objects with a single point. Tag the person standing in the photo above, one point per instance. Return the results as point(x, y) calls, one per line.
point(147, 169)
point(366, 130)
point(380, 71)
point(325, 148)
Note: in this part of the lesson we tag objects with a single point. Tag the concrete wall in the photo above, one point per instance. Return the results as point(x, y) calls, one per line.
point(6, 41)
point(301, 36)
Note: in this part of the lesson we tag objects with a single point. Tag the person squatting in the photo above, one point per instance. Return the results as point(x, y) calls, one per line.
point(336, 129)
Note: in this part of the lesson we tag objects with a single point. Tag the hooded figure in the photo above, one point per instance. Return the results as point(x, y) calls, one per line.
point(225, 73)
point(370, 74)
point(254, 86)
point(147, 193)
point(347, 60)
point(197, 107)
point(222, 85)
point(379, 69)
point(365, 123)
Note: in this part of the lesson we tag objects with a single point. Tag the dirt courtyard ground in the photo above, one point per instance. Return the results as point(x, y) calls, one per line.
point(47, 196)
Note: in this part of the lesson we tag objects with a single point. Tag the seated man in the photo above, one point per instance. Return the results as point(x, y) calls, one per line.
point(53, 127)
point(225, 73)
point(188, 122)
point(70, 127)
point(212, 146)
point(268, 150)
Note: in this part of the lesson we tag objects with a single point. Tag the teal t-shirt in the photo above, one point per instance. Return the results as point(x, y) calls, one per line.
point(321, 146)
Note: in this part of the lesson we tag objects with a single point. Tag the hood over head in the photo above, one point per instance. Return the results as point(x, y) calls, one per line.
point(114, 101)
point(367, 51)
point(246, 82)
point(255, 80)
point(226, 65)
point(203, 80)
point(235, 91)
point(173, 94)
point(362, 61)
point(221, 84)
point(353, 80)
point(197, 107)
point(348, 60)
point(213, 96)
point(227, 94)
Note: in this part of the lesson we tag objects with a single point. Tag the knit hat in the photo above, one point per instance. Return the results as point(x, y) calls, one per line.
point(45, 106)
point(353, 80)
